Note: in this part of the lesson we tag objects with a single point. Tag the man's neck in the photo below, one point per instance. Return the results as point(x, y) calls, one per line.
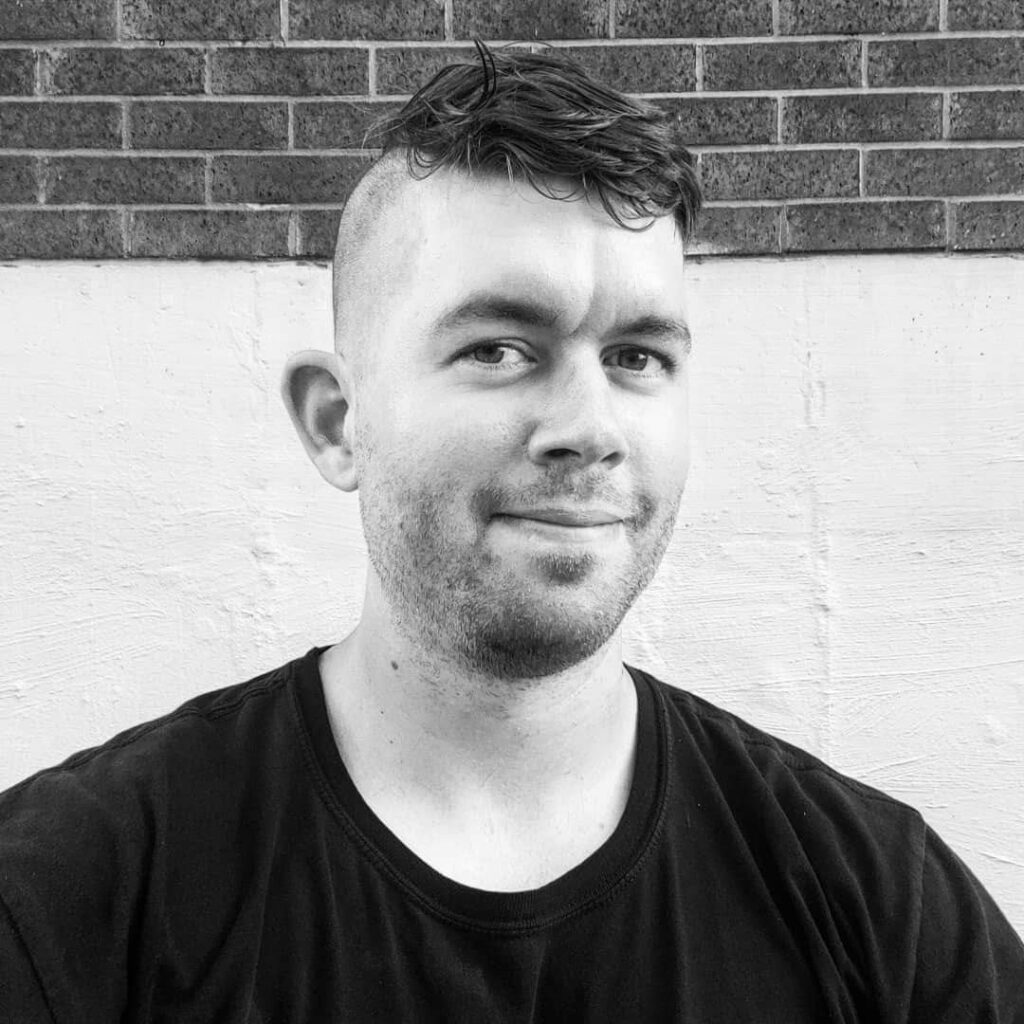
point(536, 771)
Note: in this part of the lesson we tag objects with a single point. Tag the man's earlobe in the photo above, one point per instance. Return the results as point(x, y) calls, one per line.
point(316, 393)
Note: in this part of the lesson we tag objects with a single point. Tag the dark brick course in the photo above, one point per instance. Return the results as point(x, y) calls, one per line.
point(986, 115)
point(34, 124)
point(218, 234)
point(205, 125)
point(58, 19)
point(146, 71)
point(366, 19)
point(201, 19)
point(317, 233)
point(719, 122)
point(993, 225)
point(946, 62)
point(60, 234)
point(833, 227)
point(780, 175)
point(669, 68)
point(945, 172)
point(17, 179)
point(750, 66)
point(530, 19)
point(821, 17)
point(87, 179)
point(738, 229)
point(402, 71)
point(671, 18)
point(974, 15)
point(17, 72)
point(298, 72)
point(870, 117)
point(285, 179)
point(339, 125)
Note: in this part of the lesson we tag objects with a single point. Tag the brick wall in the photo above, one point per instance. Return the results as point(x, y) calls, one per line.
point(202, 128)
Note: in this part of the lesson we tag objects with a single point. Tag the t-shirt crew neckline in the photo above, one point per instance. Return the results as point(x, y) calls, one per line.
point(610, 867)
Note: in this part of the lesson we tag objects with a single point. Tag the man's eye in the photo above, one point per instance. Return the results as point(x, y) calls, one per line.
point(638, 360)
point(495, 354)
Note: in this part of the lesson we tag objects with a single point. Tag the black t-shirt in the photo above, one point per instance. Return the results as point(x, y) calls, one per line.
point(219, 865)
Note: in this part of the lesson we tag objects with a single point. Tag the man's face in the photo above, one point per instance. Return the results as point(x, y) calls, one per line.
point(519, 371)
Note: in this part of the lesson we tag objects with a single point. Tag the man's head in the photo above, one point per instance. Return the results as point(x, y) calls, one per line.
point(512, 347)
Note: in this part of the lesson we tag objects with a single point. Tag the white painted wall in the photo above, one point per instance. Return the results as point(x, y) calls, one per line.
point(848, 571)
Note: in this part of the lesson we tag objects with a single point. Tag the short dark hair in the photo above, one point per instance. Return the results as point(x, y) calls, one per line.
point(536, 116)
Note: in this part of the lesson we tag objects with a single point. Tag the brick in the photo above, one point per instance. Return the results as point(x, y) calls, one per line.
point(974, 15)
point(992, 225)
point(783, 174)
point(945, 172)
point(986, 115)
point(947, 62)
point(60, 234)
point(297, 72)
point(654, 19)
point(719, 122)
point(318, 232)
point(145, 71)
point(737, 229)
point(206, 125)
point(209, 234)
point(530, 19)
point(820, 17)
point(201, 19)
point(17, 179)
point(863, 227)
point(403, 71)
point(33, 124)
point(57, 19)
point(871, 117)
point(668, 68)
point(366, 19)
point(749, 66)
point(100, 180)
point(345, 124)
point(285, 179)
point(17, 72)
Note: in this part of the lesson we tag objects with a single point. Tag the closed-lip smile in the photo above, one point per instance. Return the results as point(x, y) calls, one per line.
point(578, 517)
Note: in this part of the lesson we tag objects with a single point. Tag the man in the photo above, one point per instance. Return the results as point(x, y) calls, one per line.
point(469, 809)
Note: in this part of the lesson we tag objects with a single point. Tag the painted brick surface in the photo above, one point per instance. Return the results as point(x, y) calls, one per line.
point(866, 227)
point(33, 124)
point(530, 19)
point(305, 72)
point(58, 19)
point(654, 19)
point(201, 19)
point(17, 72)
point(207, 234)
point(85, 179)
point(750, 66)
point(147, 71)
point(60, 234)
point(716, 122)
point(817, 125)
point(780, 175)
point(986, 115)
point(820, 17)
point(885, 117)
point(191, 125)
point(367, 19)
point(993, 225)
point(945, 172)
point(969, 61)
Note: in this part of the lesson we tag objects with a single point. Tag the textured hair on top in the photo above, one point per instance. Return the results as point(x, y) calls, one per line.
point(538, 116)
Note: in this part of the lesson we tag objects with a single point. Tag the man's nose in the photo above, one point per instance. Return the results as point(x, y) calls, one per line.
point(576, 419)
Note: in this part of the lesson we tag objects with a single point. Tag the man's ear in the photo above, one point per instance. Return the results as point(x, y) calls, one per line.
point(317, 394)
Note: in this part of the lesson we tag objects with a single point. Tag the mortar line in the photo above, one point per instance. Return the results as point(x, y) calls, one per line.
point(208, 181)
point(943, 15)
point(127, 223)
point(864, 64)
point(776, 18)
point(118, 19)
point(126, 135)
point(780, 101)
point(371, 71)
point(862, 172)
point(612, 16)
point(283, 14)
point(698, 69)
point(449, 20)
point(947, 114)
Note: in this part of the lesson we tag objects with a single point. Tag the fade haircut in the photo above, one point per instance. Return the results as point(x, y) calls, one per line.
point(539, 116)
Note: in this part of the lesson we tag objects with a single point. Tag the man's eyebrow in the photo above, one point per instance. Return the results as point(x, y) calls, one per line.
point(658, 327)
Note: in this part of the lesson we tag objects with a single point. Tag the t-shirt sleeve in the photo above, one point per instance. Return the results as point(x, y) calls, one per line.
point(970, 961)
